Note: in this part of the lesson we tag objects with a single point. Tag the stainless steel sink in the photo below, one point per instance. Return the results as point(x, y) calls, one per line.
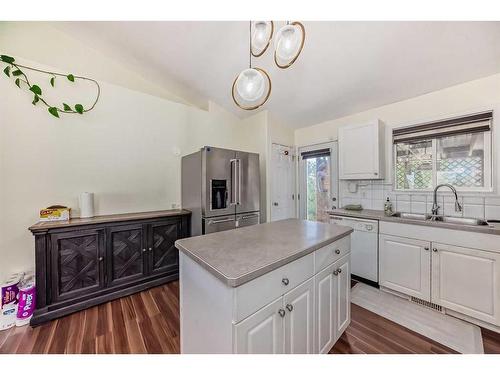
point(440, 219)
point(459, 220)
point(407, 215)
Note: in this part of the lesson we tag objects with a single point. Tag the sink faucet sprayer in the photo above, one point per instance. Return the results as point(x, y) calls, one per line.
point(435, 207)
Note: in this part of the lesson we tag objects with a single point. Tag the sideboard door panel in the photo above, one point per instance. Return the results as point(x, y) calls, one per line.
point(126, 249)
point(164, 256)
point(77, 263)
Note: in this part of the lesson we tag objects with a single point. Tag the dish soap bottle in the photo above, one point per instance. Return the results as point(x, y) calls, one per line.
point(388, 207)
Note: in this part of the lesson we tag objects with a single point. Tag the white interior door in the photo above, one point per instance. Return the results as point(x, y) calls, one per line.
point(282, 182)
point(319, 182)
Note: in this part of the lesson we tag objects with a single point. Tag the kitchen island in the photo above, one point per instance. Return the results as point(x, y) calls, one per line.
point(281, 287)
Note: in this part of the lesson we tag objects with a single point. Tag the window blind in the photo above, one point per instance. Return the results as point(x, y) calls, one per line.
point(315, 153)
point(473, 123)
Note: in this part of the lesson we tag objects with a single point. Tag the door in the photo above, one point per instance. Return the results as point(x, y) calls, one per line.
point(282, 182)
point(299, 319)
point(219, 224)
point(318, 181)
point(467, 281)
point(405, 265)
point(325, 310)
point(245, 220)
point(163, 255)
point(342, 291)
point(262, 332)
point(126, 253)
point(218, 195)
point(247, 182)
point(77, 263)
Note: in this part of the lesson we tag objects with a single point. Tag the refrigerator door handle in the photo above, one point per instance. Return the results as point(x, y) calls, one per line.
point(239, 181)
point(233, 200)
point(219, 221)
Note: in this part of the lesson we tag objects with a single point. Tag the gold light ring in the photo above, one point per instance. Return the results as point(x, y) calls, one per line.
point(267, 45)
point(296, 23)
point(258, 105)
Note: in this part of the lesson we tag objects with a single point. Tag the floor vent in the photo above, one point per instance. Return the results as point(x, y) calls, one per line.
point(430, 305)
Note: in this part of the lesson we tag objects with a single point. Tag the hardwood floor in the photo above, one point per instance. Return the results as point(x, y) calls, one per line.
point(148, 322)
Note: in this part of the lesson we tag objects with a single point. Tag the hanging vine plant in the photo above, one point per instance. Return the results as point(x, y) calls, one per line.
point(16, 71)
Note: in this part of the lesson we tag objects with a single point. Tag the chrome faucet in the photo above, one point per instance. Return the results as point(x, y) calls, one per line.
point(435, 207)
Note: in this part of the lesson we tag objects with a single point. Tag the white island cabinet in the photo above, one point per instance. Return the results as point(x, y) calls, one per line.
point(281, 287)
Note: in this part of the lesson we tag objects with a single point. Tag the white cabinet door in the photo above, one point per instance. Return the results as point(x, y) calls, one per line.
point(405, 265)
point(467, 281)
point(262, 332)
point(342, 290)
point(361, 150)
point(325, 310)
point(299, 329)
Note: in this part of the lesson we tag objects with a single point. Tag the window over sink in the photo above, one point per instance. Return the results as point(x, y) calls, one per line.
point(456, 151)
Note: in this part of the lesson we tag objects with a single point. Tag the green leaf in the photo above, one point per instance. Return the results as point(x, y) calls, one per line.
point(7, 59)
point(53, 111)
point(7, 71)
point(71, 77)
point(66, 107)
point(52, 80)
point(35, 99)
point(36, 89)
point(17, 72)
point(18, 82)
point(79, 108)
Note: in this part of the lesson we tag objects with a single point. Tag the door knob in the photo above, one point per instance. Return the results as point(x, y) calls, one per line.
point(285, 281)
point(334, 199)
point(281, 312)
point(275, 204)
point(289, 307)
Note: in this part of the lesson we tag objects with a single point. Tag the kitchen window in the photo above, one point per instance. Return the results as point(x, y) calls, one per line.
point(455, 151)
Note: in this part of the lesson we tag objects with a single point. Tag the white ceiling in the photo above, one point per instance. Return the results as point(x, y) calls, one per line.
point(345, 67)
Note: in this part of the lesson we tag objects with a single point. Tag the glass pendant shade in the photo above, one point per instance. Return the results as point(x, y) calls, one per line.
point(288, 44)
point(250, 85)
point(261, 36)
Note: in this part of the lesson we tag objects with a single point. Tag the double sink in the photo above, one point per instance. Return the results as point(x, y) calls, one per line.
point(441, 219)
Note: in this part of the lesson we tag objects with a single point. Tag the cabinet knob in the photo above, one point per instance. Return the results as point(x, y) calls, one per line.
point(100, 259)
point(339, 270)
point(150, 249)
point(285, 281)
point(282, 312)
point(376, 174)
point(336, 272)
point(337, 251)
point(143, 250)
point(435, 250)
point(289, 307)
point(426, 248)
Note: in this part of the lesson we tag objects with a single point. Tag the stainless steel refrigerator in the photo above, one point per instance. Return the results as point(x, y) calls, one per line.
point(221, 188)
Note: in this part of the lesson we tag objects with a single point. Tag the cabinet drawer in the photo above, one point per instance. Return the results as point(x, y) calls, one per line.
point(331, 253)
point(251, 296)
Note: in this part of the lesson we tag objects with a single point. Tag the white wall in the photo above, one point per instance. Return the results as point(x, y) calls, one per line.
point(124, 151)
point(460, 99)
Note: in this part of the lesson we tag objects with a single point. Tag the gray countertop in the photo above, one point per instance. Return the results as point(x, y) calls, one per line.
point(240, 255)
point(492, 228)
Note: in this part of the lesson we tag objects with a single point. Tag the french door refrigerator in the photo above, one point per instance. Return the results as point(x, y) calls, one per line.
point(221, 188)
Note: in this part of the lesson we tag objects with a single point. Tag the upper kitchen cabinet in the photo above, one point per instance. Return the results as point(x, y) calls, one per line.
point(361, 151)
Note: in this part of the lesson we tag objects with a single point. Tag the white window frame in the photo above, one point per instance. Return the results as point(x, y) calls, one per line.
point(488, 169)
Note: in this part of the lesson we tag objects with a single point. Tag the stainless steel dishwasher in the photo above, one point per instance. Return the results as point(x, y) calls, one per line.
point(364, 246)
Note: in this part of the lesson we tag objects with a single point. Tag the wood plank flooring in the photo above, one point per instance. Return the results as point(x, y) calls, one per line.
point(148, 322)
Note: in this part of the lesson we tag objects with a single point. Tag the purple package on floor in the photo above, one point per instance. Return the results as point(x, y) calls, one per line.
point(27, 303)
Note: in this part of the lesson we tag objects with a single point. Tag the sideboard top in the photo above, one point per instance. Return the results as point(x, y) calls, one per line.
point(44, 225)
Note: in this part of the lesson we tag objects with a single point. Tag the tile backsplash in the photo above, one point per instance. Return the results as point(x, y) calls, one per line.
point(371, 194)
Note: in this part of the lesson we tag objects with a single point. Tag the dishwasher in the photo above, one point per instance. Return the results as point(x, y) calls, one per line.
point(364, 247)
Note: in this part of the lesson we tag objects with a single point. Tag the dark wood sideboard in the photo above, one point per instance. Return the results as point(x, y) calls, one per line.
point(84, 262)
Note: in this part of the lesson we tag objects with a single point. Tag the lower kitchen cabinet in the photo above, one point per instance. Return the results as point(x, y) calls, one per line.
point(84, 262)
point(467, 281)
point(405, 265)
point(262, 332)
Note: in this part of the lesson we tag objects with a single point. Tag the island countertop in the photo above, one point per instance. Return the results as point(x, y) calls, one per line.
point(240, 255)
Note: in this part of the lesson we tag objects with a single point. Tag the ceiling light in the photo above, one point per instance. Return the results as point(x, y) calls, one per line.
point(288, 44)
point(261, 37)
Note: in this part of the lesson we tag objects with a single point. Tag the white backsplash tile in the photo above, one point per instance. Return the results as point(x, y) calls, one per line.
point(492, 201)
point(473, 200)
point(403, 206)
point(492, 212)
point(474, 210)
point(418, 207)
point(449, 210)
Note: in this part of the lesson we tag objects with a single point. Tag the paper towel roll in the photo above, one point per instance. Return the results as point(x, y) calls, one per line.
point(86, 204)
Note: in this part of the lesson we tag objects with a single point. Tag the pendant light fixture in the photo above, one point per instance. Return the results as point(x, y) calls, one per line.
point(288, 44)
point(252, 87)
point(261, 37)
